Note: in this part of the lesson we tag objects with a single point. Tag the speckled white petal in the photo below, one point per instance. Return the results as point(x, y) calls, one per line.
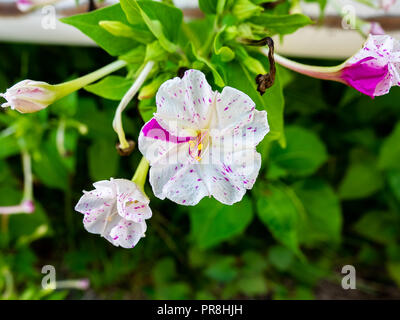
point(127, 233)
point(132, 204)
point(96, 206)
point(184, 103)
point(182, 184)
point(235, 173)
point(234, 109)
point(247, 136)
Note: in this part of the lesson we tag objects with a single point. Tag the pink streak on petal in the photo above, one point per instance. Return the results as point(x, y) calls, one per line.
point(153, 130)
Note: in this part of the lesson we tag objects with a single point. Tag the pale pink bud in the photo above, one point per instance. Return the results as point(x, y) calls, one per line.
point(373, 28)
point(25, 5)
point(386, 4)
point(29, 5)
point(29, 96)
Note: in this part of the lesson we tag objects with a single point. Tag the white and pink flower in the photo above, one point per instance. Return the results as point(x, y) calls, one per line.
point(373, 70)
point(201, 142)
point(29, 96)
point(376, 67)
point(117, 210)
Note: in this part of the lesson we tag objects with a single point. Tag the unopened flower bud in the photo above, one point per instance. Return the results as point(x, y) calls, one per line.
point(29, 96)
point(29, 5)
point(244, 9)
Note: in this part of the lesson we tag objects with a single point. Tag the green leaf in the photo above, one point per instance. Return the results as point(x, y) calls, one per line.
point(8, 146)
point(393, 269)
point(135, 56)
point(217, 77)
point(252, 64)
point(49, 168)
point(164, 21)
point(394, 182)
point(390, 151)
point(155, 52)
point(272, 101)
point(244, 9)
point(147, 108)
point(213, 222)
point(253, 285)
point(304, 152)
point(280, 257)
point(254, 262)
point(88, 23)
point(22, 226)
point(277, 210)
point(111, 87)
point(103, 160)
point(197, 32)
point(224, 52)
point(378, 226)
point(323, 220)
point(362, 178)
point(222, 269)
point(212, 6)
point(164, 271)
point(281, 24)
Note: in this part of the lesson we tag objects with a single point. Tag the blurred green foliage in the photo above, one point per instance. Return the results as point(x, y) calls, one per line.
point(328, 193)
point(329, 199)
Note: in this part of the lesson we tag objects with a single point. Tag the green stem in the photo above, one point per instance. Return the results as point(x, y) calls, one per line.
point(60, 138)
point(140, 175)
point(28, 180)
point(68, 87)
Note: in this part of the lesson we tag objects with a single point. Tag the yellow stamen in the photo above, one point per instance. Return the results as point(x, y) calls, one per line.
point(200, 146)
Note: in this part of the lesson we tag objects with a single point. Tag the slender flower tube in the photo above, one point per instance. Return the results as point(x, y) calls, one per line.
point(26, 205)
point(117, 122)
point(202, 142)
point(80, 284)
point(30, 96)
point(373, 70)
point(117, 209)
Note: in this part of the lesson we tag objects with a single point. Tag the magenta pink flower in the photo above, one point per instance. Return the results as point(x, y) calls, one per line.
point(373, 70)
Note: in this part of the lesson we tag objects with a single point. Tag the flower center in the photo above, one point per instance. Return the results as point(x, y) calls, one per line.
point(198, 145)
